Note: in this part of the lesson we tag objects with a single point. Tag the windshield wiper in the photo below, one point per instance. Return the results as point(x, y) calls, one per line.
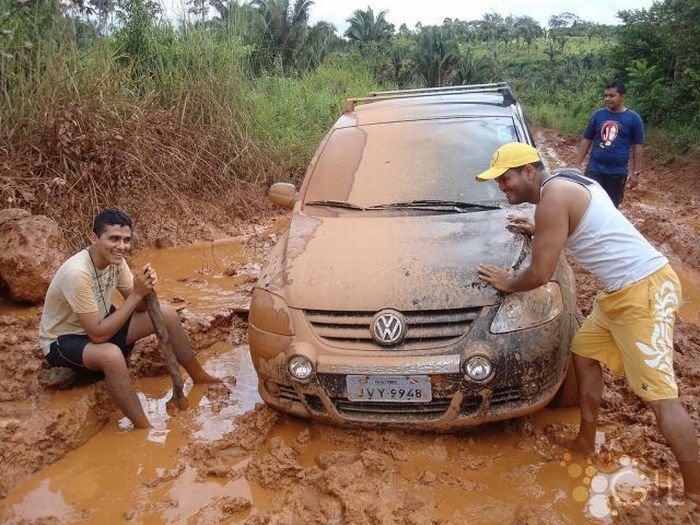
point(438, 205)
point(335, 204)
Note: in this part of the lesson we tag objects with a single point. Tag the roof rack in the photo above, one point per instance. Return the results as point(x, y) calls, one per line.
point(501, 88)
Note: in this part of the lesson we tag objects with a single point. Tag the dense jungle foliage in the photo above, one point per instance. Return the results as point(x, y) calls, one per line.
point(251, 87)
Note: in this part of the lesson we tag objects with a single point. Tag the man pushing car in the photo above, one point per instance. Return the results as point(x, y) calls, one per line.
point(630, 329)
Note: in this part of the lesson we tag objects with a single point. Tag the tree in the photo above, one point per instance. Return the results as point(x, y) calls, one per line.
point(198, 8)
point(237, 15)
point(564, 21)
point(365, 27)
point(664, 42)
point(471, 70)
point(319, 39)
point(284, 29)
point(102, 8)
point(436, 56)
point(135, 36)
point(490, 27)
point(527, 29)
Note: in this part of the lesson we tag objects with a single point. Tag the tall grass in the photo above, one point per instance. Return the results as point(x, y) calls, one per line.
point(108, 121)
point(291, 115)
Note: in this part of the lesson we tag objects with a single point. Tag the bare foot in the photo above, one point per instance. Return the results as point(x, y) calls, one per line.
point(174, 404)
point(206, 378)
point(229, 380)
point(576, 444)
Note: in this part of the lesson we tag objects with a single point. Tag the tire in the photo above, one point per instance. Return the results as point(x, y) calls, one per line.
point(567, 395)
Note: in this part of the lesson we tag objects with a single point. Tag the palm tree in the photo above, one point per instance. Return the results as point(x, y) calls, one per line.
point(365, 27)
point(471, 70)
point(436, 56)
point(319, 39)
point(284, 28)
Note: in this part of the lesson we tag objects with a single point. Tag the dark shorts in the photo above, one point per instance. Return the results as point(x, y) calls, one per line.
point(614, 185)
point(67, 350)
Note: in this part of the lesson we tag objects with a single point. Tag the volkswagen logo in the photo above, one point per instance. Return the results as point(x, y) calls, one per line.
point(388, 328)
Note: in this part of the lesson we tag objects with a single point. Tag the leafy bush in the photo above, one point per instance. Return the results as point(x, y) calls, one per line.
point(290, 115)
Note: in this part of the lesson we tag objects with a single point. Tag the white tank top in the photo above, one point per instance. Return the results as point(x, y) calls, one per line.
point(604, 242)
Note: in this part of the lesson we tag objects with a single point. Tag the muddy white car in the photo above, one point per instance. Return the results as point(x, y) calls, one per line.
point(370, 310)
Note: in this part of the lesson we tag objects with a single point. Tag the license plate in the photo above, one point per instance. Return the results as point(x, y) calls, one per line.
point(399, 389)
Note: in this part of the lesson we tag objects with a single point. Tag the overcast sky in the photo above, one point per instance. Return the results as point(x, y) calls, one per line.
point(432, 12)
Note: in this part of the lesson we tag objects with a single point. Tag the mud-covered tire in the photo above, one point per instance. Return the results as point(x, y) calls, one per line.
point(567, 395)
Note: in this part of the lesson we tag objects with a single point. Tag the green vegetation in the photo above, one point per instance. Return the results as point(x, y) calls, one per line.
point(243, 91)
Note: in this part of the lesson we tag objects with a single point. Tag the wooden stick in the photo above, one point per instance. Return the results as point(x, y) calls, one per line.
point(153, 308)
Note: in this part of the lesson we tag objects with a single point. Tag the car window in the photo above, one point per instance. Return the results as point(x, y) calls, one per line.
point(405, 161)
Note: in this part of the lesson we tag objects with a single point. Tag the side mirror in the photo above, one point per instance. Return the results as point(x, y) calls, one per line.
point(282, 193)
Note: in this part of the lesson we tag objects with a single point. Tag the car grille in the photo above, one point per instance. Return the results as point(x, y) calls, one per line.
point(287, 392)
point(501, 397)
point(418, 411)
point(426, 329)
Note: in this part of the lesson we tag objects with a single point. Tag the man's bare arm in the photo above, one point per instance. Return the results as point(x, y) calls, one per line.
point(521, 224)
point(552, 219)
point(101, 330)
point(637, 152)
point(583, 148)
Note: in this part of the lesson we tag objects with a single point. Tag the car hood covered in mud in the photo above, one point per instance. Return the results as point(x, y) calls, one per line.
point(369, 262)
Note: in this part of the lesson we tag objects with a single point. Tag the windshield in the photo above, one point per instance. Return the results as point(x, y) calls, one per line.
point(400, 162)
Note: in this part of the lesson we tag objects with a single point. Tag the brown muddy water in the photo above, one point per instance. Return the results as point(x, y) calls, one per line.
point(501, 473)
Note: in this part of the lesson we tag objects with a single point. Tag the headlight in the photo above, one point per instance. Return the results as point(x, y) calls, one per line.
point(269, 312)
point(478, 368)
point(527, 309)
point(300, 367)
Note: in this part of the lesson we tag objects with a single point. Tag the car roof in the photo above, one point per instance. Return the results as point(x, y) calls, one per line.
point(425, 106)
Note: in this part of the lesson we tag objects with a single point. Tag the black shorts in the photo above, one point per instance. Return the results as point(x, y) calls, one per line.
point(614, 185)
point(67, 350)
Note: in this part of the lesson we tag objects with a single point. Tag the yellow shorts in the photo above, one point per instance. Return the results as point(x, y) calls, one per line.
point(631, 332)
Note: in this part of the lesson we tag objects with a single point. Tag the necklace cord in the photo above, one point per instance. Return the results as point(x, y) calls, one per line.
point(99, 284)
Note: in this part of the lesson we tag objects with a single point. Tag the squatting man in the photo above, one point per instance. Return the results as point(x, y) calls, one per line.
point(630, 329)
point(81, 329)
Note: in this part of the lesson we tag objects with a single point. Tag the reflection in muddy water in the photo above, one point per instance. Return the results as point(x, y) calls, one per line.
point(210, 277)
point(103, 481)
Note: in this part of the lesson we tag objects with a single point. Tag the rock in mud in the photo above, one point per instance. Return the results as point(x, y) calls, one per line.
point(31, 250)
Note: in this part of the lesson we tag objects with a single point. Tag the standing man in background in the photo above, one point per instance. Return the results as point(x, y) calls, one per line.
point(613, 131)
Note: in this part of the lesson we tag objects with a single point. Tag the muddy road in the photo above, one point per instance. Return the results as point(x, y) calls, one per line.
point(68, 457)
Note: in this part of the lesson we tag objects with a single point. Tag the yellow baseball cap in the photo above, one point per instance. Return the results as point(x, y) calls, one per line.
point(511, 155)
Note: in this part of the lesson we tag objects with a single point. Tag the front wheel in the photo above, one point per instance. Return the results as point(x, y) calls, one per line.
point(567, 395)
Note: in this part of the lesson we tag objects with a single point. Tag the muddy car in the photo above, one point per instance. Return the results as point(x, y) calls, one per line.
point(370, 310)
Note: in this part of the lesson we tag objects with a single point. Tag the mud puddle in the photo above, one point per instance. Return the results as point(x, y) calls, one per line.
point(226, 459)
point(209, 277)
point(104, 480)
point(501, 472)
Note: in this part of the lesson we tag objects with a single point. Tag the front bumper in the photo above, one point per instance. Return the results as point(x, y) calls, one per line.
point(528, 369)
